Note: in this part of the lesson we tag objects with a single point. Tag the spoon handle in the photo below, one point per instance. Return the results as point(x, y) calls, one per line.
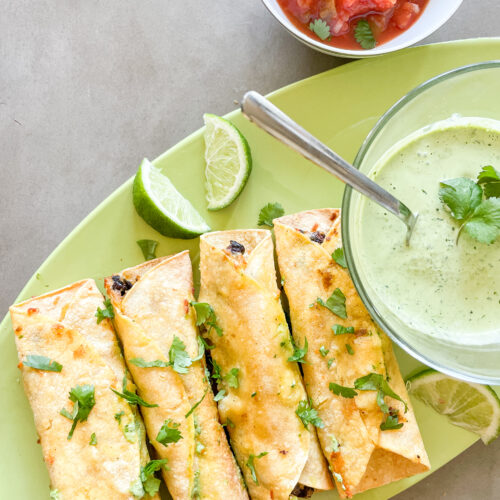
point(268, 117)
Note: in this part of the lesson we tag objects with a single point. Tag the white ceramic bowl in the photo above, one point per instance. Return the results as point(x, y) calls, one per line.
point(433, 17)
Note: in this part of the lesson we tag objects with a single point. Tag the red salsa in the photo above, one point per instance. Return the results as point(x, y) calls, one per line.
point(353, 24)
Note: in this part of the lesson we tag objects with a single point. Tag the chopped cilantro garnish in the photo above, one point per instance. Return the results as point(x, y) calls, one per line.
point(201, 348)
point(268, 213)
point(42, 363)
point(232, 378)
point(341, 330)
point(220, 395)
point(119, 415)
point(320, 28)
point(93, 439)
point(364, 34)
point(83, 397)
point(391, 422)
point(196, 491)
point(141, 363)
point(150, 483)
point(479, 218)
point(299, 353)
point(308, 414)
point(131, 397)
point(335, 303)
point(196, 404)
point(323, 351)
point(178, 356)
point(489, 179)
point(148, 248)
point(376, 382)
point(339, 258)
point(340, 390)
point(349, 349)
point(330, 362)
point(250, 464)
point(253, 394)
point(205, 315)
point(169, 433)
point(216, 372)
point(107, 312)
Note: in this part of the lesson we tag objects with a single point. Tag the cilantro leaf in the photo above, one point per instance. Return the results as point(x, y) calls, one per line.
point(489, 179)
point(196, 490)
point(484, 223)
point(196, 404)
point(251, 466)
point(216, 372)
point(151, 483)
point(201, 348)
point(131, 397)
point(118, 416)
point(141, 363)
point(148, 248)
point(308, 414)
point(376, 382)
point(323, 351)
point(461, 196)
point(349, 349)
point(341, 330)
point(364, 35)
point(340, 390)
point(107, 312)
point(220, 395)
point(330, 362)
point(42, 363)
point(391, 422)
point(232, 378)
point(299, 353)
point(268, 213)
point(335, 303)
point(93, 439)
point(169, 433)
point(339, 258)
point(179, 358)
point(320, 28)
point(83, 397)
point(205, 315)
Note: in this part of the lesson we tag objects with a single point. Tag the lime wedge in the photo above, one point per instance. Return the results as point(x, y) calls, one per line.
point(163, 207)
point(474, 407)
point(228, 161)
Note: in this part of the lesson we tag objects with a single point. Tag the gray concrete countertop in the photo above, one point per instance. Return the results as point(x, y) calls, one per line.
point(88, 87)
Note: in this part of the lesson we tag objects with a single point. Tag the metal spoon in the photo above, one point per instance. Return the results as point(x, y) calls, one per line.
point(268, 117)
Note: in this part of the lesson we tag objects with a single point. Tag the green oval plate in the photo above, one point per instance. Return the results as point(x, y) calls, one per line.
point(340, 107)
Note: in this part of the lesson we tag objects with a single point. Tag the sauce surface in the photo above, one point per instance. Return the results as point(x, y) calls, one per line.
point(435, 286)
point(387, 18)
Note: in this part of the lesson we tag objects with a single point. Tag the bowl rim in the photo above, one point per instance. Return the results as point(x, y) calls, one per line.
point(346, 205)
point(361, 53)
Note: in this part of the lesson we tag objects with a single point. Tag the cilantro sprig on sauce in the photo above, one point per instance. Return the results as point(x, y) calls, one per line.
point(320, 28)
point(478, 217)
point(364, 34)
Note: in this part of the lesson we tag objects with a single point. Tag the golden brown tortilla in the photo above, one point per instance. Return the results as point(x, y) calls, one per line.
point(260, 412)
point(148, 315)
point(367, 456)
point(61, 325)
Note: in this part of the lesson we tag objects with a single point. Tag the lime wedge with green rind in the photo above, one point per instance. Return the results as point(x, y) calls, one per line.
point(474, 407)
point(163, 207)
point(228, 161)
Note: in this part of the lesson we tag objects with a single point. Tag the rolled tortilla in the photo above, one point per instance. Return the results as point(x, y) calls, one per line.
point(276, 453)
point(151, 304)
point(360, 454)
point(61, 325)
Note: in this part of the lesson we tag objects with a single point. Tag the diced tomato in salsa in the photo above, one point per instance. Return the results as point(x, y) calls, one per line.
point(387, 18)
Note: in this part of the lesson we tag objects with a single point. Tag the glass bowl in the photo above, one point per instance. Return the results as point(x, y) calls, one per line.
point(469, 91)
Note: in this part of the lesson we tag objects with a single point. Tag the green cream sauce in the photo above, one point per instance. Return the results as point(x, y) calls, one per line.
point(434, 286)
